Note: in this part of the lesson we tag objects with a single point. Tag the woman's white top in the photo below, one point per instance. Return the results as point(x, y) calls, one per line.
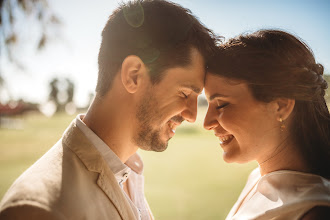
point(280, 195)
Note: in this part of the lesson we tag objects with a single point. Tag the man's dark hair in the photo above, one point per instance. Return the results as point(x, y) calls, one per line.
point(161, 33)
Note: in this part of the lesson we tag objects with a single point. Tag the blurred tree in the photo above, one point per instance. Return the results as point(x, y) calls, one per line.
point(202, 100)
point(70, 90)
point(13, 12)
point(2, 82)
point(4, 92)
point(62, 93)
point(53, 95)
point(19, 18)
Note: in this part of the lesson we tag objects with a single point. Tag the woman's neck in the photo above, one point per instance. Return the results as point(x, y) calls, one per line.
point(286, 156)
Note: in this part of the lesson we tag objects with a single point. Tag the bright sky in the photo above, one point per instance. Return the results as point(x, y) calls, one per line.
point(75, 53)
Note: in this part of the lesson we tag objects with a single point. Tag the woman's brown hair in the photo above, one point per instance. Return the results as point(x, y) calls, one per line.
point(276, 64)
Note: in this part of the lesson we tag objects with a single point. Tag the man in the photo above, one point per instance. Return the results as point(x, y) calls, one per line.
point(151, 70)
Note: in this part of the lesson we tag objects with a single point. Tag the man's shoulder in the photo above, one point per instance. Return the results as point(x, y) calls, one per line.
point(47, 183)
point(70, 177)
point(29, 211)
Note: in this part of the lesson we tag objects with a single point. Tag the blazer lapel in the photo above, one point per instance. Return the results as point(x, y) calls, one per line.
point(94, 162)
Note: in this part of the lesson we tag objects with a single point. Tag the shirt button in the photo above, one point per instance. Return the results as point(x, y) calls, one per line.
point(125, 175)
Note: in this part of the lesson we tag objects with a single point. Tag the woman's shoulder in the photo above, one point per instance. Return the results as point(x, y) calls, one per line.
point(296, 191)
point(255, 174)
point(295, 183)
point(288, 178)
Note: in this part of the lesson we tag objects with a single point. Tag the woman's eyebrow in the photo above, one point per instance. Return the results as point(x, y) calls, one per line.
point(216, 95)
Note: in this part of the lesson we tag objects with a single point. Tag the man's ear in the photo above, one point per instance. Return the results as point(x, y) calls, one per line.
point(132, 71)
point(284, 107)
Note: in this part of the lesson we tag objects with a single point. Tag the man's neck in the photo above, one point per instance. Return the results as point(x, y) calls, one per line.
point(112, 124)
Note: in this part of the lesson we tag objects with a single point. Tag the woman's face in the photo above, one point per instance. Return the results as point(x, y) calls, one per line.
point(247, 128)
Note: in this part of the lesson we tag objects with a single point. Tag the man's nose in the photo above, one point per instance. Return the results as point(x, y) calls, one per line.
point(210, 121)
point(190, 112)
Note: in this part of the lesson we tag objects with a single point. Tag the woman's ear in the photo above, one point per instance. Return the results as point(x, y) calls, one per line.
point(132, 71)
point(284, 108)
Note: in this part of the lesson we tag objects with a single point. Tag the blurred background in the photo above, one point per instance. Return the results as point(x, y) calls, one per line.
point(48, 71)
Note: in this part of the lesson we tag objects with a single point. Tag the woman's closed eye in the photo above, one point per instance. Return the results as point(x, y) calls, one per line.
point(222, 105)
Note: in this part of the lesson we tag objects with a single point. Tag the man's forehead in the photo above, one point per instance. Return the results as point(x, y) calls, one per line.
point(195, 88)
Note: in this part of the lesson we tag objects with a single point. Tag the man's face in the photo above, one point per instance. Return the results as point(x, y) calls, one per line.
point(166, 104)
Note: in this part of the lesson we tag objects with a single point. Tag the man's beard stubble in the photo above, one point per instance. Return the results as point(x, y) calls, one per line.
point(146, 137)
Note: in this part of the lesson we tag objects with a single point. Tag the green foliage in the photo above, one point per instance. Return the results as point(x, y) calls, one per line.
point(14, 16)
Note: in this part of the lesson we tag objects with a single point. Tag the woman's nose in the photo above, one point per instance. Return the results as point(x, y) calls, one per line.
point(210, 121)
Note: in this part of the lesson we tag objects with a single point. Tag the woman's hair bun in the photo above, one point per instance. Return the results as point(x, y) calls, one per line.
point(317, 68)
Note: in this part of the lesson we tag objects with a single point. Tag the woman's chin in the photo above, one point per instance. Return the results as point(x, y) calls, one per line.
point(232, 158)
point(228, 158)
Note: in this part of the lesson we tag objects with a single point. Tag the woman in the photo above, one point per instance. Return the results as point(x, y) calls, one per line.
point(266, 103)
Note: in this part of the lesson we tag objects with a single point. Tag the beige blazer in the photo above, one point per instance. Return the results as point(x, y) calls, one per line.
point(71, 181)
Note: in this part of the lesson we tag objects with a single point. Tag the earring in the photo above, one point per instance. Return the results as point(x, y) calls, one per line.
point(282, 124)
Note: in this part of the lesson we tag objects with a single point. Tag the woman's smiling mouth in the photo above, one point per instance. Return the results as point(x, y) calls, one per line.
point(225, 139)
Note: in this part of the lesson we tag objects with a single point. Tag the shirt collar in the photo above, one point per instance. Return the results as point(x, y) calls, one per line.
point(120, 170)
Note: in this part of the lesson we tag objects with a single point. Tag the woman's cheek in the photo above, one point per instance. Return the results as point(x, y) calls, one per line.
point(224, 119)
point(229, 120)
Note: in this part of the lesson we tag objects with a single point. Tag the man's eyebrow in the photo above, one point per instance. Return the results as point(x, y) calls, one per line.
point(216, 95)
point(193, 88)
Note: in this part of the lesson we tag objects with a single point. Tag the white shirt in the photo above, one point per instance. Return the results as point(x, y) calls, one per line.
point(280, 195)
point(131, 171)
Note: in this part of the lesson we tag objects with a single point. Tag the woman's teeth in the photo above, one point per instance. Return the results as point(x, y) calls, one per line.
point(225, 139)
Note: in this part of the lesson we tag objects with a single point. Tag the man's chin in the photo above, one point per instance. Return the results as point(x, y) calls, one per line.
point(152, 141)
point(156, 147)
point(160, 149)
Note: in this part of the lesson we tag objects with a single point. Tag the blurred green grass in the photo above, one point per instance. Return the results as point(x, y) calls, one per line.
point(187, 181)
